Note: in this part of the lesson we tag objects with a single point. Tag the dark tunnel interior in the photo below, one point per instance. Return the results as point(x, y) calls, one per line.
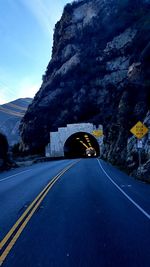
point(81, 145)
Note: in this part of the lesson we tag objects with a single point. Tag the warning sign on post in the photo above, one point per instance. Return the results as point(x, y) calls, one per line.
point(139, 130)
point(98, 133)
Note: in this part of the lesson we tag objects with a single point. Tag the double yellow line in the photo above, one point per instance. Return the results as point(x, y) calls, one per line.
point(8, 241)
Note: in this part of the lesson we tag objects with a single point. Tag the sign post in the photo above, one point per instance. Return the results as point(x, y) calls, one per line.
point(139, 147)
point(139, 131)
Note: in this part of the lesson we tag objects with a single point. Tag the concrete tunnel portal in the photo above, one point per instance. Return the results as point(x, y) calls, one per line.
point(76, 140)
point(81, 144)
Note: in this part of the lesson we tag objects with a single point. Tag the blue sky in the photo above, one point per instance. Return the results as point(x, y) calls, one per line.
point(26, 34)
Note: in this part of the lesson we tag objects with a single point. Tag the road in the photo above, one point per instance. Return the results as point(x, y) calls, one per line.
point(73, 213)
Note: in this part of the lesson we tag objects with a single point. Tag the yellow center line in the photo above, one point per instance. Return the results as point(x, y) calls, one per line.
point(38, 199)
point(3, 242)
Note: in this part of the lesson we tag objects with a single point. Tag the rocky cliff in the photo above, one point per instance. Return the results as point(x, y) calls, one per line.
point(99, 72)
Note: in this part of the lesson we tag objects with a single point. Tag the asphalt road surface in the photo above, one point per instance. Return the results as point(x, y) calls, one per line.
point(73, 213)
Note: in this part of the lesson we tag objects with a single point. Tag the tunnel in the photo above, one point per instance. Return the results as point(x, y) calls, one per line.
point(81, 145)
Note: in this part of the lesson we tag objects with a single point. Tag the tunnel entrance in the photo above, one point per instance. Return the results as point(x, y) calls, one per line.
point(81, 144)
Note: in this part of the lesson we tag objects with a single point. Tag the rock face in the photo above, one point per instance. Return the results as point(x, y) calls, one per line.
point(99, 73)
point(10, 116)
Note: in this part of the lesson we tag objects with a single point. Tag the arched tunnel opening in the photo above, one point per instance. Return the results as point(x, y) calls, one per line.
point(81, 145)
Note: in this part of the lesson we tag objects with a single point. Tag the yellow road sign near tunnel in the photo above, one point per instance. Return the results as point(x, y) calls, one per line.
point(139, 130)
point(97, 133)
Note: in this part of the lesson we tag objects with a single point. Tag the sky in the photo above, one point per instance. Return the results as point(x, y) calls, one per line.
point(26, 38)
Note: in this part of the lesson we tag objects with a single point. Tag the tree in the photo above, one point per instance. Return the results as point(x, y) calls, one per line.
point(3, 146)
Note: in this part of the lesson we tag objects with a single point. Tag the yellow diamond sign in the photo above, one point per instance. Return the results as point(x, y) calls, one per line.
point(97, 133)
point(139, 130)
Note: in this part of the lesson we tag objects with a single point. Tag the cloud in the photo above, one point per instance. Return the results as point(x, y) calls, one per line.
point(46, 12)
point(28, 87)
point(3, 98)
point(5, 92)
point(25, 87)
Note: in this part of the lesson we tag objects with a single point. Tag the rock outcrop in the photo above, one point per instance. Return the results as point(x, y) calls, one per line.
point(99, 72)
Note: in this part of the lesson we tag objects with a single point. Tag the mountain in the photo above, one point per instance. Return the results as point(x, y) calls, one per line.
point(10, 116)
point(99, 72)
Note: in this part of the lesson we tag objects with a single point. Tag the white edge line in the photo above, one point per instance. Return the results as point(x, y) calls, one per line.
point(126, 195)
point(7, 178)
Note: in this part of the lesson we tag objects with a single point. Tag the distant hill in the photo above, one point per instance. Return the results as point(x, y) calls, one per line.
point(10, 116)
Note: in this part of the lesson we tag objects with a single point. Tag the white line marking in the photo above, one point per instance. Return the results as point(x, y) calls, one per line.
point(7, 178)
point(126, 195)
